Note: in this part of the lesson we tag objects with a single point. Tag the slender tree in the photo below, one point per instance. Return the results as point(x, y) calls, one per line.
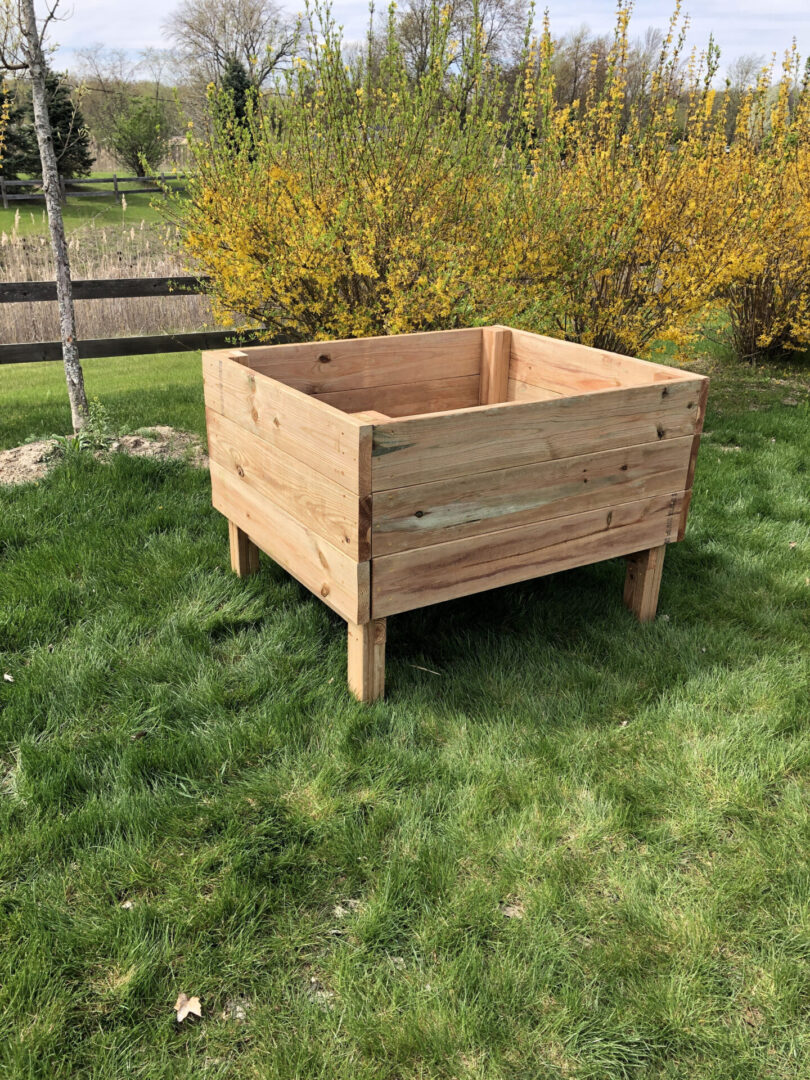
point(22, 49)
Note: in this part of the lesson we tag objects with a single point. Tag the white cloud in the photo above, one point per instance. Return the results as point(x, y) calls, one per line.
point(739, 26)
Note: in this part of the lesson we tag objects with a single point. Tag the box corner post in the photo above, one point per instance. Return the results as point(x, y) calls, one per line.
point(244, 553)
point(366, 659)
point(643, 582)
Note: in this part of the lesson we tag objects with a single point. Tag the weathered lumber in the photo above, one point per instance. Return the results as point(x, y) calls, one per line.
point(408, 398)
point(334, 512)
point(413, 579)
point(26, 292)
point(569, 367)
point(326, 366)
point(643, 582)
point(419, 515)
point(518, 390)
point(690, 476)
point(419, 449)
point(495, 351)
point(306, 429)
point(142, 345)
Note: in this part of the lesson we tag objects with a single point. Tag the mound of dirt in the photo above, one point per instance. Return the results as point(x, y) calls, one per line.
point(31, 461)
point(164, 443)
point(28, 462)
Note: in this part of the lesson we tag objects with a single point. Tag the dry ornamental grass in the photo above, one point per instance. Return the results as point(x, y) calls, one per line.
point(147, 250)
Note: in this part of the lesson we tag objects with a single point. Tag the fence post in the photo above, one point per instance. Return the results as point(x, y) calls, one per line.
point(4, 193)
point(62, 189)
point(163, 185)
point(115, 184)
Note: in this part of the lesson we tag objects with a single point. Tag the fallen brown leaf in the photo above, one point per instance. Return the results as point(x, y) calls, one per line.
point(186, 1006)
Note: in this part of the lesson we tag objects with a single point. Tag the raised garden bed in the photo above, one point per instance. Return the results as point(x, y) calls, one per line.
point(390, 473)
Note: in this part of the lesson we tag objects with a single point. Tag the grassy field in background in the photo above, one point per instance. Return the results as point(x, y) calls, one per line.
point(575, 847)
point(105, 210)
point(164, 388)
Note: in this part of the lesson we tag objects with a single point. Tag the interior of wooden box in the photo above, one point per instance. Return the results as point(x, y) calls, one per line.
point(377, 379)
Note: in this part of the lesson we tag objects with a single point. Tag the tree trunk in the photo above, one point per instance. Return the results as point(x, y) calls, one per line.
point(50, 183)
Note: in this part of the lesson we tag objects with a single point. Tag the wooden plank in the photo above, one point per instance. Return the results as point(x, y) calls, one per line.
point(517, 390)
point(570, 367)
point(704, 394)
point(336, 514)
point(142, 345)
point(27, 292)
point(643, 582)
point(332, 575)
point(317, 435)
point(371, 416)
point(419, 449)
point(322, 367)
point(423, 514)
point(408, 398)
point(366, 659)
point(495, 350)
point(244, 553)
point(412, 579)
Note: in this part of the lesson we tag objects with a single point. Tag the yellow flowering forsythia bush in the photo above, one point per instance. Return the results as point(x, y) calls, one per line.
point(359, 202)
point(363, 198)
point(768, 297)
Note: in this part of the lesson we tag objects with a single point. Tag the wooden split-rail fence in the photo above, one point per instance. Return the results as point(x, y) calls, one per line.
point(32, 189)
point(26, 292)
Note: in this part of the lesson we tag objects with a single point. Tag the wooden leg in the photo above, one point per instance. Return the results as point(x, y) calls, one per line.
point(244, 553)
point(367, 659)
point(643, 582)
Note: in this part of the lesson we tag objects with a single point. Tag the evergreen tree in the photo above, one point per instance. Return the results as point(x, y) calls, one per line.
point(20, 146)
point(236, 82)
point(71, 138)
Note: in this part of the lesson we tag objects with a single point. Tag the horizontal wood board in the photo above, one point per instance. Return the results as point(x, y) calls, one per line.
point(337, 515)
point(568, 367)
point(408, 398)
point(332, 575)
point(309, 430)
point(431, 575)
point(419, 449)
point(141, 345)
point(324, 367)
point(420, 515)
point(27, 292)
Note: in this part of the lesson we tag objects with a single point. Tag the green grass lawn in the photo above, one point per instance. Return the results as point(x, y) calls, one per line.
point(577, 850)
point(106, 210)
point(164, 388)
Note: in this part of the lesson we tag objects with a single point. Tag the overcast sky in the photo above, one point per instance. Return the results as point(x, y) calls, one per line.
point(739, 26)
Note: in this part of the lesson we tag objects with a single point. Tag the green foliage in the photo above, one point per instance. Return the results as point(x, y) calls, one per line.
point(19, 147)
point(237, 85)
point(71, 138)
point(95, 434)
point(140, 135)
point(362, 202)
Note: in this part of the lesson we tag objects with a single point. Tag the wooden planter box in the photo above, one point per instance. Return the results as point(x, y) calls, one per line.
point(390, 473)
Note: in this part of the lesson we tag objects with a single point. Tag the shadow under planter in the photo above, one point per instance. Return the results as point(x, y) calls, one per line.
point(390, 473)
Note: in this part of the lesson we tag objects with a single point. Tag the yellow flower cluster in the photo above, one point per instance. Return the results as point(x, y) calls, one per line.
point(361, 199)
